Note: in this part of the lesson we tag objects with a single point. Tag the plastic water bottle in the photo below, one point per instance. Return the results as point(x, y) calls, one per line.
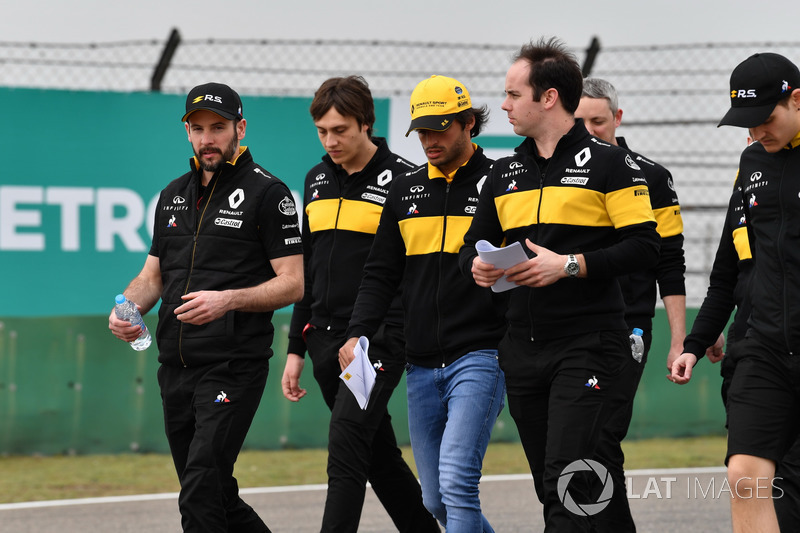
point(637, 344)
point(126, 310)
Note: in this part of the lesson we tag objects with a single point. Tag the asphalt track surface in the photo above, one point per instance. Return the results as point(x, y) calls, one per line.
point(662, 501)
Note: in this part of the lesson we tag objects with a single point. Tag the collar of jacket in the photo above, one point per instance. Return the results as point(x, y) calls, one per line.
point(475, 161)
point(576, 134)
point(244, 157)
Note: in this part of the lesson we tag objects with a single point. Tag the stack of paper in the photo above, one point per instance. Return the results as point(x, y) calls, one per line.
point(501, 258)
point(359, 376)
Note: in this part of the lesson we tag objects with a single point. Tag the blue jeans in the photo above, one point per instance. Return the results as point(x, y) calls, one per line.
point(451, 413)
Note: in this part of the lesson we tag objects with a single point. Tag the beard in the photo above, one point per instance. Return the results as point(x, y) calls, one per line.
point(225, 156)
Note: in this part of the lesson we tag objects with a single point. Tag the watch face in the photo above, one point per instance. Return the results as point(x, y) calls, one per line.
point(572, 268)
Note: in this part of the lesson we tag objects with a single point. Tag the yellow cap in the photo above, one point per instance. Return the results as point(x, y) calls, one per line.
point(435, 102)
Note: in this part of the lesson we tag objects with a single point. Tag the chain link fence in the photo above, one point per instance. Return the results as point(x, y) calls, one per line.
point(672, 96)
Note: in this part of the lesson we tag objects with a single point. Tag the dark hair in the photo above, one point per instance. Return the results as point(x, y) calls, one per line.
point(480, 114)
point(553, 67)
point(350, 96)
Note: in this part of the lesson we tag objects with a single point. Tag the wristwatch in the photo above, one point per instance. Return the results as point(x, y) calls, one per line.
point(571, 267)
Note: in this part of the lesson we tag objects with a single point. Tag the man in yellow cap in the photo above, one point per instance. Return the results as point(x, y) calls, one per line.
point(455, 386)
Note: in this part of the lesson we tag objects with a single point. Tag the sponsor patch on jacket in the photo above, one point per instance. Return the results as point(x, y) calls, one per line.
point(286, 206)
point(574, 180)
point(373, 198)
point(227, 222)
point(631, 163)
point(292, 240)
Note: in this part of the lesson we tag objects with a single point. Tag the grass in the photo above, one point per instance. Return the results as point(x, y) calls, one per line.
point(66, 477)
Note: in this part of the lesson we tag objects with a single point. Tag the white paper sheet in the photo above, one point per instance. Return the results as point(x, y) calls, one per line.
point(501, 258)
point(359, 376)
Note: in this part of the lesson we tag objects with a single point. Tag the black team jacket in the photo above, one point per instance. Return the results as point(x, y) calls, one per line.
point(639, 288)
point(589, 198)
point(421, 231)
point(340, 217)
point(729, 285)
point(220, 238)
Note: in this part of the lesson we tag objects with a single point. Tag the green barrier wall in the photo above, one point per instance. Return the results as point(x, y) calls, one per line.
point(68, 386)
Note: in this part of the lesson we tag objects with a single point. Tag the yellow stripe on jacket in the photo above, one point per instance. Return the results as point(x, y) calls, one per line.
point(353, 215)
point(423, 235)
point(576, 207)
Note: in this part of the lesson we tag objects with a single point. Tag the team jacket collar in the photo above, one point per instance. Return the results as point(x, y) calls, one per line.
point(244, 156)
point(474, 161)
point(794, 143)
point(576, 134)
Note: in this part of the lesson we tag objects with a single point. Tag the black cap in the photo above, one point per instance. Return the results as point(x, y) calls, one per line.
point(757, 84)
point(215, 97)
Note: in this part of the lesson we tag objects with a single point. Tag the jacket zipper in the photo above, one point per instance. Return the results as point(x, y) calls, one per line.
point(191, 267)
point(538, 221)
point(333, 247)
point(439, 284)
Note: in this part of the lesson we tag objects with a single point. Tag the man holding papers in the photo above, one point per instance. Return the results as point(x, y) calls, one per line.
point(581, 206)
point(455, 386)
point(343, 198)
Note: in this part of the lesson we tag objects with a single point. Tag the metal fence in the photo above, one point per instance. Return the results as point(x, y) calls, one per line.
point(672, 96)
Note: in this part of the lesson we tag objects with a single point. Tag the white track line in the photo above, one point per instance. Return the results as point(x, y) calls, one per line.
point(306, 488)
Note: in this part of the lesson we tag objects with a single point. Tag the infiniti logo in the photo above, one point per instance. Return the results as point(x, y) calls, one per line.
point(320, 177)
point(515, 164)
point(179, 200)
point(417, 188)
point(755, 176)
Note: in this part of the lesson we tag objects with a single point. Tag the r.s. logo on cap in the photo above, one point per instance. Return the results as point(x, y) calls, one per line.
point(210, 97)
point(741, 93)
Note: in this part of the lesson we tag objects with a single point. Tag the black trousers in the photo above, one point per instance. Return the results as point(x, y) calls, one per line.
point(207, 414)
point(561, 393)
point(786, 488)
point(616, 517)
point(361, 443)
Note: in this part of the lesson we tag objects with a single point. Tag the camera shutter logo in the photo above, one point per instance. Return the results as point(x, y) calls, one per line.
point(585, 509)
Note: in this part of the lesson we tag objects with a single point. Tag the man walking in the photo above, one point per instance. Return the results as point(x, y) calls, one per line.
point(226, 253)
point(764, 392)
point(580, 206)
point(343, 198)
point(455, 385)
point(601, 114)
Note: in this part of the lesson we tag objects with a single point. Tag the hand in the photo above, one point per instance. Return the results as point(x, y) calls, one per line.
point(543, 270)
point(675, 350)
point(122, 329)
point(346, 354)
point(715, 352)
point(681, 371)
point(290, 382)
point(202, 307)
point(484, 274)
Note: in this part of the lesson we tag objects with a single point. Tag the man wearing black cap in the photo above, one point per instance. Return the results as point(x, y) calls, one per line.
point(454, 383)
point(764, 393)
point(226, 253)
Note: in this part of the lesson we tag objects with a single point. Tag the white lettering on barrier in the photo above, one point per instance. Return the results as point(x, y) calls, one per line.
point(13, 217)
point(118, 215)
